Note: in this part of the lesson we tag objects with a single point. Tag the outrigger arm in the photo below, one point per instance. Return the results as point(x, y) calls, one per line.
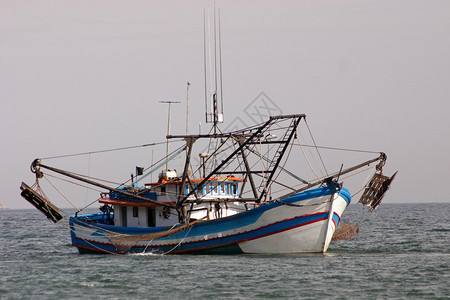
point(36, 165)
point(382, 158)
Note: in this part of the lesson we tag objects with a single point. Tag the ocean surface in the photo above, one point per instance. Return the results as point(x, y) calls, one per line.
point(403, 252)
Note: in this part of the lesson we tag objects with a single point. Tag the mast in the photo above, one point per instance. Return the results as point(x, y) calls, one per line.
point(187, 106)
point(213, 87)
point(168, 128)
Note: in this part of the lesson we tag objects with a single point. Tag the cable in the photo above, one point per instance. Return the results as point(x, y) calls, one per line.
point(107, 150)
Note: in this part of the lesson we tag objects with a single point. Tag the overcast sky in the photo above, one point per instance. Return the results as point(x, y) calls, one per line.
point(80, 76)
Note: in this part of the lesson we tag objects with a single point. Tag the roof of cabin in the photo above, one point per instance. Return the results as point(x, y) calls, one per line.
point(128, 202)
point(220, 179)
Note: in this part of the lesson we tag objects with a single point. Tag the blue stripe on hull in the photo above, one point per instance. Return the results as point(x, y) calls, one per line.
point(336, 219)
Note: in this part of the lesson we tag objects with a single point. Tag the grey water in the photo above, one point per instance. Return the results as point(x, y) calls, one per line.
point(402, 253)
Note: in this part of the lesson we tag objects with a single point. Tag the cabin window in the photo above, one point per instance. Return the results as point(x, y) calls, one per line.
point(151, 221)
point(163, 190)
point(208, 188)
point(222, 189)
point(136, 212)
point(214, 187)
point(123, 215)
point(233, 189)
point(228, 191)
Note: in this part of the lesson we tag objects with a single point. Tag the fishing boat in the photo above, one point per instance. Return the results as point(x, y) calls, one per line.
point(228, 204)
point(237, 193)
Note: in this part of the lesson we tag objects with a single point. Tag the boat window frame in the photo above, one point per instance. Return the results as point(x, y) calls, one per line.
point(214, 188)
point(135, 212)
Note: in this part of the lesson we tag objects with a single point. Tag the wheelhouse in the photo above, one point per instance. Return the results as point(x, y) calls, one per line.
point(217, 193)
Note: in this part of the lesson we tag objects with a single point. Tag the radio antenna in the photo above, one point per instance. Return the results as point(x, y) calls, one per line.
point(213, 87)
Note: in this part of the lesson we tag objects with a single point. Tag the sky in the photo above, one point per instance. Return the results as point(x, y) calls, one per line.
point(79, 76)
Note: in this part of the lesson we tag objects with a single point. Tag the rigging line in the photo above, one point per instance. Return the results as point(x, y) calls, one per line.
point(365, 181)
point(313, 156)
point(359, 172)
point(216, 152)
point(232, 147)
point(161, 162)
point(89, 204)
point(89, 177)
point(67, 199)
point(89, 174)
point(238, 158)
point(107, 150)
point(210, 63)
point(220, 65)
point(315, 145)
point(285, 161)
point(342, 149)
point(360, 220)
point(74, 183)
point(323, 177)
point(204, 63)
point(307, 160)
point(280, 167)
point(215, 53)
point(262, 168)
point(177, 245)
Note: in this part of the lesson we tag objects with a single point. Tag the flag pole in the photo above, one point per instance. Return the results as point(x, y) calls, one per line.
point(187, 106)
point(168, 129)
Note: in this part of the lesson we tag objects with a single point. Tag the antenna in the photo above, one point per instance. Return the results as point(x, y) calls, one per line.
point(168, 129)
point(213, 87)
point(188, 84)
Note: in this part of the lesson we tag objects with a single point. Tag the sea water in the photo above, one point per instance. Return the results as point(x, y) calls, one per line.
point(402, 252)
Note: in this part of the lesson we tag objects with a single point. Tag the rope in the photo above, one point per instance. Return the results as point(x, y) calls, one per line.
point(67, 199)
point(148, 244)
point(262, 168)
point(315, 146)
point(365, 181)
point(307, 160)
point(342, 149)
point(182, 240)
point(360, 223)
point(282, 168)
point(161, 162)
point(73, 182)
point(107, 150)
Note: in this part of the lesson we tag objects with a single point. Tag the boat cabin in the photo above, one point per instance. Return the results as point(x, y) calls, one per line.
point(217, 194)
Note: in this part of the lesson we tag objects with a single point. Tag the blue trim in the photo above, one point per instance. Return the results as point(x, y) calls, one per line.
point(345, 194)
point(336, 219)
